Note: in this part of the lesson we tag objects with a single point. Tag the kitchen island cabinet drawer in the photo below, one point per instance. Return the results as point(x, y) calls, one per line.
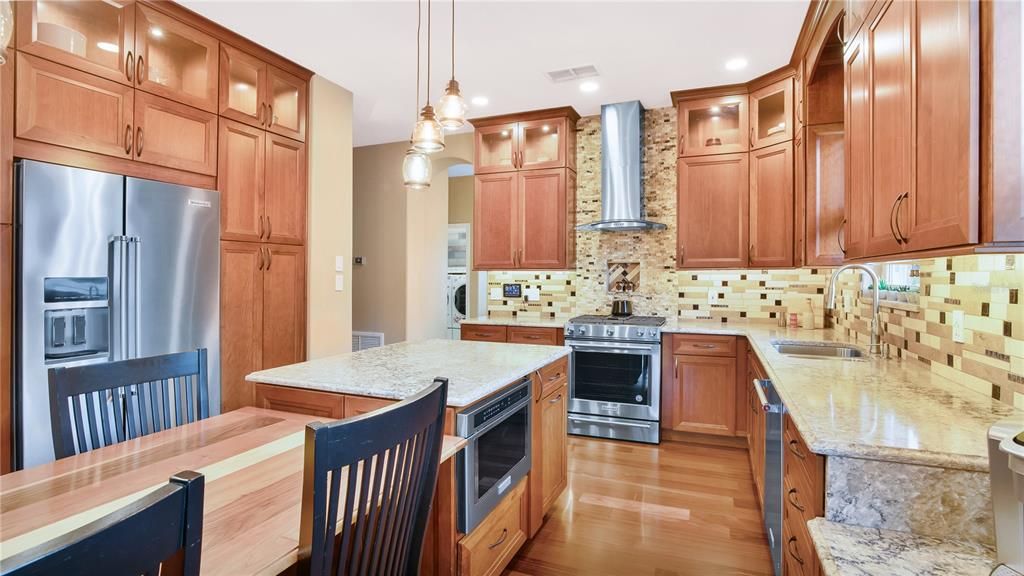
point(359, 405)
point(527, 335)
point(805, 468)
point(484, 333)
point(554, 376)
point(492, 544)
point(299, 401)
point(703, 345)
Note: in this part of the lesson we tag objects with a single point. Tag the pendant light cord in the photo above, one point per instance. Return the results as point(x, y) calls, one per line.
point(453, 39)
point(419, 21)
point(428, 52)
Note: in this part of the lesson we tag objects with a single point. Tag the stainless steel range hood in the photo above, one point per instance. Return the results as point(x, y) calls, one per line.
point(622, 178)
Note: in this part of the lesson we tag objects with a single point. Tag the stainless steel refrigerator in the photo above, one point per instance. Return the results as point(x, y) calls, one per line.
point(108, 268)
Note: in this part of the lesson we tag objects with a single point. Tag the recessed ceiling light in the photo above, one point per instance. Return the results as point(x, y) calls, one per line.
point(242, 87)
point(715, 109)
point(589, 86)
point(108, 47)
point(479, 100)
point(156, 32)
point(736, 64)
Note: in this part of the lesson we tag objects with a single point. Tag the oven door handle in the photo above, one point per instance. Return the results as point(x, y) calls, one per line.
point(617, 422)
point(644, 351)
point(508, 412)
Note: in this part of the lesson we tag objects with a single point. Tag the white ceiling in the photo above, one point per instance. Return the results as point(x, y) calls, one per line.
point(642, 50)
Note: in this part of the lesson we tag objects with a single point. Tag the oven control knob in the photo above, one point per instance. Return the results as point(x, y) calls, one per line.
point(610, 332)
point(569, 331)
point(639, 398)
point(640, 332)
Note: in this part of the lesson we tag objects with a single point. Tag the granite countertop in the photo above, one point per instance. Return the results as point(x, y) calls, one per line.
point(516, 321)
point(846, 550)
point(874, 408)
point(474, 369)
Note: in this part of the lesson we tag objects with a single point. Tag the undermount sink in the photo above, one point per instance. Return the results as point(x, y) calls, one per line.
point(817, 349)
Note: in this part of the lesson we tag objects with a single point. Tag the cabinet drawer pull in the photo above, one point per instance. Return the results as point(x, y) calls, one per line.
point(260, 266)
point(705, 346)
point(270, 258)
point(794, 448)
point(129, 67)
point(555, 377)
point(481, 335)
point(793, 552)
point(792, 497)
point(504, 535)
point(261, 226)
point(555, 400)
point(531, 337)
point(128, 139)
point(751, 137)
point(138, 141)
point(139, 68)
point(270, 114)
point(270, 228)
point(899, 204)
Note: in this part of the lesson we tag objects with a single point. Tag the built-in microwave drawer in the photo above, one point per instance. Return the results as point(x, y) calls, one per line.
point(703, 345)
point(493, 543)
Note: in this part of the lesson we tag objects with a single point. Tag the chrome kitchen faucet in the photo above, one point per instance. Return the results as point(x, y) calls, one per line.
point(830, 303)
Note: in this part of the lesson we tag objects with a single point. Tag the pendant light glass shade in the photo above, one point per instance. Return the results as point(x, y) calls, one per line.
point(452, 108)
point(427, 136)
point(416, 170)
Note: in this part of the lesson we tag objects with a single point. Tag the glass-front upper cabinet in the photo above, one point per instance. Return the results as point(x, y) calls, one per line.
point(715, 125)
point(542, 143)
point(175, 60)
point(496, 148)
point(95, 37)
point(286, 101)
point(243, 85)
point(771, 114)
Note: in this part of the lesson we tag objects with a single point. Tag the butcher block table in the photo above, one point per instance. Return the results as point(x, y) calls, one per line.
point(252, 460)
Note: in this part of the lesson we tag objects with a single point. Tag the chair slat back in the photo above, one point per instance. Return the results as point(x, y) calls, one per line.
point(367, 488)
point(161, 533)
point(102, 404)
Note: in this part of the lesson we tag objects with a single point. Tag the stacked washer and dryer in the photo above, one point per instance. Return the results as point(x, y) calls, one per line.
point(456, 291)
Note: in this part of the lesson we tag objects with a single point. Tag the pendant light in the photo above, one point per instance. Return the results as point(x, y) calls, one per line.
point(6, 29)
point(452, 107)
point(427, 136)
point(416, 167)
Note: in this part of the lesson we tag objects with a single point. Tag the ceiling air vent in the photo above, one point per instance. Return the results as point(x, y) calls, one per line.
point(570, 74)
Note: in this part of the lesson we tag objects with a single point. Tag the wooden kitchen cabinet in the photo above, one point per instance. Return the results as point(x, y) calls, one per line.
point(492, 544)
point(262, 181)
point(243, 87)
point(704, 395)
point(286, 102)
point(554, 431)
point(241, 320)
point(756, 425)
point(262, 95)
point(175, 60)
point(771, 206)
point(717, 125)
point(525, 141)
point(854, 16)
point(174, 135)
point(496, 212)
point(359, 405)
point(284, 301)
point(543, 209)
point(93, 37)
point(857, 148)
point(712, 212)
point(240, 180)
point(285, 193)
point(263, 307)
point(532, 335)
point(50, 100)
point(825, 195)
point(803, 499)
point(771, 114)
point(483, 332)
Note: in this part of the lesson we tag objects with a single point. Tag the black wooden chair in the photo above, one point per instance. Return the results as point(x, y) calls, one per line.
point(379, 470)
point(160, 533)
point(101, 404)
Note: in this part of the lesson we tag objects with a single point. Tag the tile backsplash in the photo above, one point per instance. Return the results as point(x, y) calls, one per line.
point(987, 289)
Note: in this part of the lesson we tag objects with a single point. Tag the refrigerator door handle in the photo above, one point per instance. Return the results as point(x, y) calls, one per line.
point(132, 246)
point(116, 270)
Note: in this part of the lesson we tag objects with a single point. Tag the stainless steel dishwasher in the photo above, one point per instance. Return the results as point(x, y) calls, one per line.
point(773, 454)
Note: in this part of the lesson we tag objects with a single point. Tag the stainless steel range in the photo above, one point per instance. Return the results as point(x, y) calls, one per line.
point(615, 377)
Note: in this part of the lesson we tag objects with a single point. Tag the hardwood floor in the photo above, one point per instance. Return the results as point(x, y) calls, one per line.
point(678, 509)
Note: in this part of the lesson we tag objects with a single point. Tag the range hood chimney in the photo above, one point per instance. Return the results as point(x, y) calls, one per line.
point(622, 179)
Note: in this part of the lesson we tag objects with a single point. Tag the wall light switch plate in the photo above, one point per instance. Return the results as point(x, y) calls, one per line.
point(958, 326)
point(847, 301)
point(339, 263)
point(494, 294)
point(712, 297)
point(532, 294)
point(339, 282)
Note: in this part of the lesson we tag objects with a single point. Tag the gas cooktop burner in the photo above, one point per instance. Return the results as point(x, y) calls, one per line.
point(619, 320)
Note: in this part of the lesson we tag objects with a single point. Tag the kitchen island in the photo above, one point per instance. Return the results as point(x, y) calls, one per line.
point(351, 384)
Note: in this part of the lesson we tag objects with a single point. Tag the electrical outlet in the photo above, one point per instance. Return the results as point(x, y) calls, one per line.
point(847, 301)
point(339, 263)
point(712, 297)
point(339, 282)
point(958, 326)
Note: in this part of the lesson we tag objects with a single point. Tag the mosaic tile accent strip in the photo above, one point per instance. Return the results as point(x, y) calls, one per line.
point(557, 295)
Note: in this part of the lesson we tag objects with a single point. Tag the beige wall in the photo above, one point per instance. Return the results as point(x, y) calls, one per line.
point(329, 231)
point(460, 200)
point(403, 236)
point(379, 233)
